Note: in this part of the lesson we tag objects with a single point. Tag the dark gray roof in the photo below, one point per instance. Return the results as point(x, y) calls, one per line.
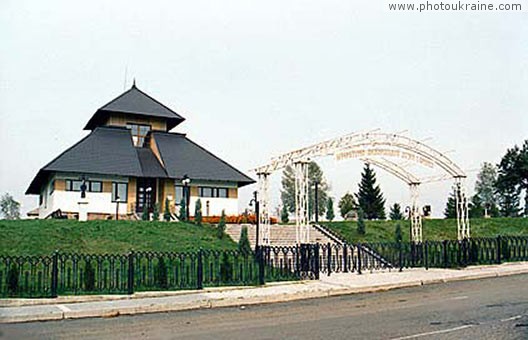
point(181, 156)
point(136, 102)
point(110, 151)
point(150, 166)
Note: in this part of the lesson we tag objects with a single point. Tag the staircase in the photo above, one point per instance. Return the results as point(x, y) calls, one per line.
point(281, 235)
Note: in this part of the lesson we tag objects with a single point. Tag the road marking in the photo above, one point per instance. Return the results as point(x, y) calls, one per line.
point(512, 318)
point(433, 333)
point(63, 308)
point(459, 298)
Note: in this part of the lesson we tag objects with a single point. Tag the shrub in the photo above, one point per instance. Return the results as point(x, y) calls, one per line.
point(12, 280)
point(226, 268)
point(145, 216)
point(156, 212)
point(361, 222)
point(220, 228)
point(198, 212)
point(166, 212)
point(243, 243)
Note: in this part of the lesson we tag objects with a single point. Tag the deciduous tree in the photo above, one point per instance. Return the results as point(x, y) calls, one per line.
point(346, 204)
point(9, 207)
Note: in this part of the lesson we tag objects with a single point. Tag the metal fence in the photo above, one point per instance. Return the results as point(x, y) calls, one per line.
point(70, 273)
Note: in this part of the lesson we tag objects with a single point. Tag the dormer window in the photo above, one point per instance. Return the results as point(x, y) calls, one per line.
point(139, 133)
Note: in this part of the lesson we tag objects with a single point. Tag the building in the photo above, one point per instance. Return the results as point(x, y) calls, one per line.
point(130, 161)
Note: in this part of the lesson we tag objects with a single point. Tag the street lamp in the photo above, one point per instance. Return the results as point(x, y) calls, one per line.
point(185, 181)
point(257, 216)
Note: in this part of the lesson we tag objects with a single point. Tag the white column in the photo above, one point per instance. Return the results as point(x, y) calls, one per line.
point(264, 206)
point(462, 210)
point(416, 216)
point(83, 209)
point(301, 202)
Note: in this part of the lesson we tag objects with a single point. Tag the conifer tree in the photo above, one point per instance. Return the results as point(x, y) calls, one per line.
point(243, 243)
point(369, 196)
point(220, 228)
point(395, 212)
point(156, 212)
point(166, 212)
point(398, 234)
point(198, 212)
point(450, 209)
point(361, 222)
point(183, 210)
point(284, 214)
point(330, 215)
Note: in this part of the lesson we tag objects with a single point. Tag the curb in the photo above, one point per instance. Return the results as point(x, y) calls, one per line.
point(63, 312)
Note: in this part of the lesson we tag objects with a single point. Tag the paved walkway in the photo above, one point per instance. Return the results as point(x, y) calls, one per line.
point(23, 310)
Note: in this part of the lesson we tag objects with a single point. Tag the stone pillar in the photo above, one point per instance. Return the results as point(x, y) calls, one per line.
point(83, 209)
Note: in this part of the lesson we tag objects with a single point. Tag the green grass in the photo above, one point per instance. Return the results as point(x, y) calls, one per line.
point(42, 237)
point(433, 229)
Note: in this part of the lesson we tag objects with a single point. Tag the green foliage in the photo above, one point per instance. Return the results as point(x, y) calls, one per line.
point(183, 210)
point(198, 212)
point(361, 222)
point(315, 174)
point(12, 280)
point(89, 276)
point(9, 208)
point(285, 218)
point(220, 228)
point(243, 244)
point(476, 208)
point(485, 190)
point(330, 215)
point(160, 274)
point(226, 268)
point(395, 213)
point(145, 216)
point(156, 212)
point(398, 237)
point(505, 250)
point(369, 195)
point(166, 212)
point(450, 209)
point(512, 180)
point(42, 237)
point(346, 204)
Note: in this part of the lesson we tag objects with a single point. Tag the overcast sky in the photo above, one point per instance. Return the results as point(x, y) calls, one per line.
point(256, 78)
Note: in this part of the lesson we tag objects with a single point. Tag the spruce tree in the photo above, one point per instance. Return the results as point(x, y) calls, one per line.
point(398, 234)
point(145, 215)
point(284, 214)
point(220, 228)
point(166, 212)
point(243, 243)
point(395, 212)
point(330, 215)
point(450, 209)
point(369, 196)
point(361, 222)
point(156, 212)
point(183, 210)
point(198, 212)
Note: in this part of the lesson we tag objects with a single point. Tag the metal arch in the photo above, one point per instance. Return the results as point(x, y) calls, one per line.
point(393, 168)
point(397, 146)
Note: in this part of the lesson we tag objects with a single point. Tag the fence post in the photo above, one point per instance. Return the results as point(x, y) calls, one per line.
point(329, 258)
point(54, 274)
point(426, 256)
point(316, 262)
point(359, 257)
point(130, 285)
point(499, 249)
point(261, 264)
point(444, 249)
point(345, 255)
point(199, 271)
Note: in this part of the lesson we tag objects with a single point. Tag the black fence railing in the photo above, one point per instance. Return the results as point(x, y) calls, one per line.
point(71, 274)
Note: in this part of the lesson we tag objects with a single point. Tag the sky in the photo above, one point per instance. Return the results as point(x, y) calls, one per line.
point(258, 78)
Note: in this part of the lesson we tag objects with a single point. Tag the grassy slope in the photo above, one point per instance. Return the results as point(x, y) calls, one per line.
point(37, 237)
point(435, 229)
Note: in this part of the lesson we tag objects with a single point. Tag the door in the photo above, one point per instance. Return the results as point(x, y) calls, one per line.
point(145, 194)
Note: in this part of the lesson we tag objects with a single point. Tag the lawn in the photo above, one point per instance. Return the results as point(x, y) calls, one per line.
point(42, 237)
point(433, 229)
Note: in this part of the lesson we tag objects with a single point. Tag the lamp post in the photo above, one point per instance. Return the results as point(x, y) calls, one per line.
point(185, 181)
point(316, 208)
point(257, 216)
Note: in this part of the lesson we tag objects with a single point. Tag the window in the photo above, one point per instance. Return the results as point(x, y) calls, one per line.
point(178, 194)
point(213, 192)
point(73, 185)
point(139, 133)
point(95, 186)
point(119, 190)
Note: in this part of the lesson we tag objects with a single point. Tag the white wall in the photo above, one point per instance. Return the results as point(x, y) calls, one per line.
point(216, 205)
point(67, 201)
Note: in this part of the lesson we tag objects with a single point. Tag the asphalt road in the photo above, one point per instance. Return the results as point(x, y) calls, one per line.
point(479, 309)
